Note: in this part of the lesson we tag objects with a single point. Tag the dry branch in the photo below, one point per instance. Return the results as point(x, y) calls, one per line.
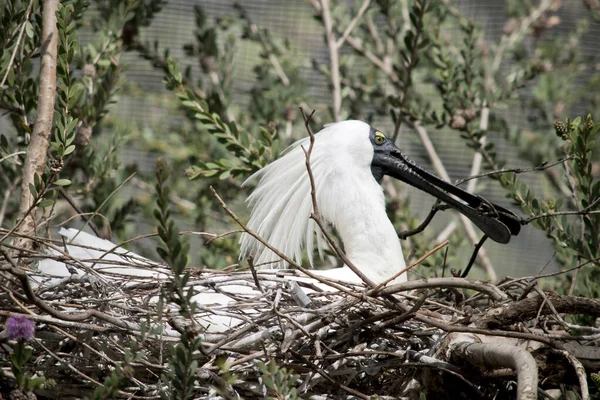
point(343, 343)
point(463, 349)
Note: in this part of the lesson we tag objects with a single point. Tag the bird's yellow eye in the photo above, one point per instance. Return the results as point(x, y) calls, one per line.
point(379, 138)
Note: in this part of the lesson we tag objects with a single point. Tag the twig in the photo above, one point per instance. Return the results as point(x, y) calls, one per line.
point(437, 206)
point(412, 265)
point(387, 69)
point(253, 271)
point(477, 157)
point(474, 256)
point(80, 212)
point(579, 371)
point(316, 216)
point(97, 211)
point(353, 23)
point(16, 153)
point(507, 41)
point(489, 332)
point(410, 65)
point(441, 170)
point(7, 196)
point(17, 45)
point(584, 211)
point(42, 305)
point(334, 61)
point(69, 365)
point(325, 375)
point(479, 286)
point(274, 250)
point(541, 167)
point(266, 49)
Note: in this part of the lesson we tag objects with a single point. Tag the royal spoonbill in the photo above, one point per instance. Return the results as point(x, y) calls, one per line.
point(348, 161)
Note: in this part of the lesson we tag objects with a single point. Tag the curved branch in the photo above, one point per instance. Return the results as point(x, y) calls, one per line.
point(486, 355)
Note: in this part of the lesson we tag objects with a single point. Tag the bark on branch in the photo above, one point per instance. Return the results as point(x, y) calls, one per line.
point(38, 146)
point(487, 355)
point(528, 308)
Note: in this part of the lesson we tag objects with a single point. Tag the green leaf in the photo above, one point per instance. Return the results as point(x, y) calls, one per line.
point(69, 150)
point(33, 190)
point(3, 143)
point(62, 182)
point(29, 30)
point(46, 203)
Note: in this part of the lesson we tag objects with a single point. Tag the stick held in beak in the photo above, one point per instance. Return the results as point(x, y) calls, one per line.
point(495, 221)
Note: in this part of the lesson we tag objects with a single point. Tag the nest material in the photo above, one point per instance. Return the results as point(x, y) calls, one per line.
point(397, 341)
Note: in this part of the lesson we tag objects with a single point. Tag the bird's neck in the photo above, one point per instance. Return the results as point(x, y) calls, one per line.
point(370, 240)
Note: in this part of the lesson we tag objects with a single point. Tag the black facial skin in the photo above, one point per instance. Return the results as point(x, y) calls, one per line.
point(496, 221)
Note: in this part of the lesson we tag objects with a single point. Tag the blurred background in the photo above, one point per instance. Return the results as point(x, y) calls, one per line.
point(542, 54)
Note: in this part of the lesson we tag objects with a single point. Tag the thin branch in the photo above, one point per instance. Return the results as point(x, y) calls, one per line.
point(541, 167)
point(353, 23)
point(17, 153)
point(579, 371)
point(316, 216)
point(584, 211)
point(374, 34)
point(38, 146)
point(276, 251)
point(334, 61)
point(507, 41)
point(474, 256)
point(412, 265)
point(7, 195)
point(266, 49)
point(80, 212)
point(357, 44)
point(17, 45)
point(437, 206)
point(254, 275)
point(42, 305)
point(412, 62)
point(441, 171)
point(438, 283)
point(478, 157)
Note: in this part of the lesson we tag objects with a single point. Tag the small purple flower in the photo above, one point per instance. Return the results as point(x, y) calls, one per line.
point(19, 327)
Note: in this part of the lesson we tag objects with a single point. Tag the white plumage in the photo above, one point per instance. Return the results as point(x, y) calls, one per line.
point(347, 161)
point(348, 197)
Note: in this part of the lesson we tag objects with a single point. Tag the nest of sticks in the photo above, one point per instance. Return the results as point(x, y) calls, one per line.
point(449, 337)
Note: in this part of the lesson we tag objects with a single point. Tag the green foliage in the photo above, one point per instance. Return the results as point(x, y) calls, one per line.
point(112, 384)
point(180, 376)
point(174, 250)
point(26, 382)
point(280, 382)
point(88, 78)
point(397, 54)
point(69, 93)
point(252, 153)
point(596, 379)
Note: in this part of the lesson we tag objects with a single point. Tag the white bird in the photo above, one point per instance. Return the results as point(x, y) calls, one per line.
point(348, 161)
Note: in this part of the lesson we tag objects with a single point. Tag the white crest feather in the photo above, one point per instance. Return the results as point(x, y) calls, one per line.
point(281, 203)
